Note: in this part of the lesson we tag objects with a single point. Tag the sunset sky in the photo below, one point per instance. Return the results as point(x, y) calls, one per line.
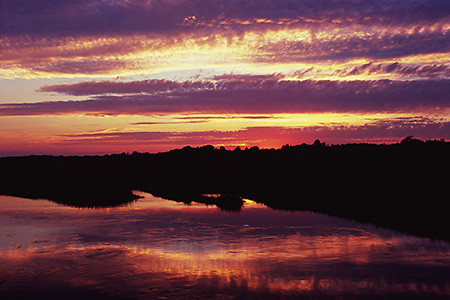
point(111, 76)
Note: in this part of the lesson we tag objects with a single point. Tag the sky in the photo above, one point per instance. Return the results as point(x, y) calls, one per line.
point(111, 76)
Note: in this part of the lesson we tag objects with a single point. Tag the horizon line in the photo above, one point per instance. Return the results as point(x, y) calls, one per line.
point(406, 140)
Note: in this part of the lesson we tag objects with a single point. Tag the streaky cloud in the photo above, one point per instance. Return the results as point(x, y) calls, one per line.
point(319, 58)
point(411, 70)
point(387, 130)
point(83, 17)
point(112, 87)
point(58, 37)
point(254, 95)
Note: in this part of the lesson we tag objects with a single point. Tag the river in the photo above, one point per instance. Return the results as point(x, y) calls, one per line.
point(159, 249)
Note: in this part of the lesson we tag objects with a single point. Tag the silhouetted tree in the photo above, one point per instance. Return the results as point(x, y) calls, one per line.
point(410, 140)
point(318, 144)
point(253, 149)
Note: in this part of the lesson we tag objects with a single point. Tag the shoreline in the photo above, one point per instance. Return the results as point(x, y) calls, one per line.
point(400, 186)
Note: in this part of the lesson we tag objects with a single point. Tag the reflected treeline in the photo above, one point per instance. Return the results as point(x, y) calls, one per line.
point(403, 185)
point(70, 181)
point(230, 203)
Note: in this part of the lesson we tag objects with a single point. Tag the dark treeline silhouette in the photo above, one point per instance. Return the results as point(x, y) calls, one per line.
point(402, 186)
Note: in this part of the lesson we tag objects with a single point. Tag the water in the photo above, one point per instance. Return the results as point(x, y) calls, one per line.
point(159, 249)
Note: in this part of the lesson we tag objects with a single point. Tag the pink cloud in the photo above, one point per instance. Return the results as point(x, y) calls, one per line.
point(384, 131)
point(390, 130)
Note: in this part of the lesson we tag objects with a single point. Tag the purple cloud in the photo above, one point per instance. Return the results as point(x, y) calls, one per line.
point(346, 46)
point(69, 18)
point(251, 96)
point(60, 36)
point(112, 87)
point(407, 70)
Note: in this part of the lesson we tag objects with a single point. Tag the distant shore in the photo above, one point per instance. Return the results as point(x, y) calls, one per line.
point(402, 186)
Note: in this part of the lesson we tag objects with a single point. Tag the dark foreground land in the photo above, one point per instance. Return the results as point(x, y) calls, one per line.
point(403, 186)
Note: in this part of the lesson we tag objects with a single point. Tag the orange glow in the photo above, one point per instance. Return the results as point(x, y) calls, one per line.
point(219, 266)
point(198, 244)
point(294, 262)
point(74, 134)
point(190, 48)
point(113, 56)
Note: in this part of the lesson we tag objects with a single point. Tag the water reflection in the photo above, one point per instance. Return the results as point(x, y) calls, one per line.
point(156, 248)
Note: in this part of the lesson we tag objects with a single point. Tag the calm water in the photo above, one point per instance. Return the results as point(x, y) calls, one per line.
point(159, 249)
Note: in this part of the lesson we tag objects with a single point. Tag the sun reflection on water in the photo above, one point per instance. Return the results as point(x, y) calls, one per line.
point(160, 248)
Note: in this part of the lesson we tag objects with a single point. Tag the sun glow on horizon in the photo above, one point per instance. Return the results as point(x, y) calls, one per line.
point(219, 75)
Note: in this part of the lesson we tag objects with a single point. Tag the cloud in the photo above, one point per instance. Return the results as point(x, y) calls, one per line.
point(205, 119)
point(220, 82)
point(331, 43)
point(89, 18)
point(253, 95)
point(112, 87)
point(383, 43)
point(412, 70)
point(106, 37)
point(388, 130)
point(145, 53)
point(72, 18)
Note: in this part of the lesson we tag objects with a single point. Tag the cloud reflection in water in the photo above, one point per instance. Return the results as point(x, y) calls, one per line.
point(158, 248)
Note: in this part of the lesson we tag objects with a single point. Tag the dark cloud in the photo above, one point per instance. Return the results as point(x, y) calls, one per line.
point(59, 36)
point(402, 69)
point(220, 82)
point(347, 46)
point(83, 17)
point(85, 66)
point(112, 87)
point(72, 18)
point(252, 96)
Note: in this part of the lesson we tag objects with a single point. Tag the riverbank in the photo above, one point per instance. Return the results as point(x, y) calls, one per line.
point(401, 186)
